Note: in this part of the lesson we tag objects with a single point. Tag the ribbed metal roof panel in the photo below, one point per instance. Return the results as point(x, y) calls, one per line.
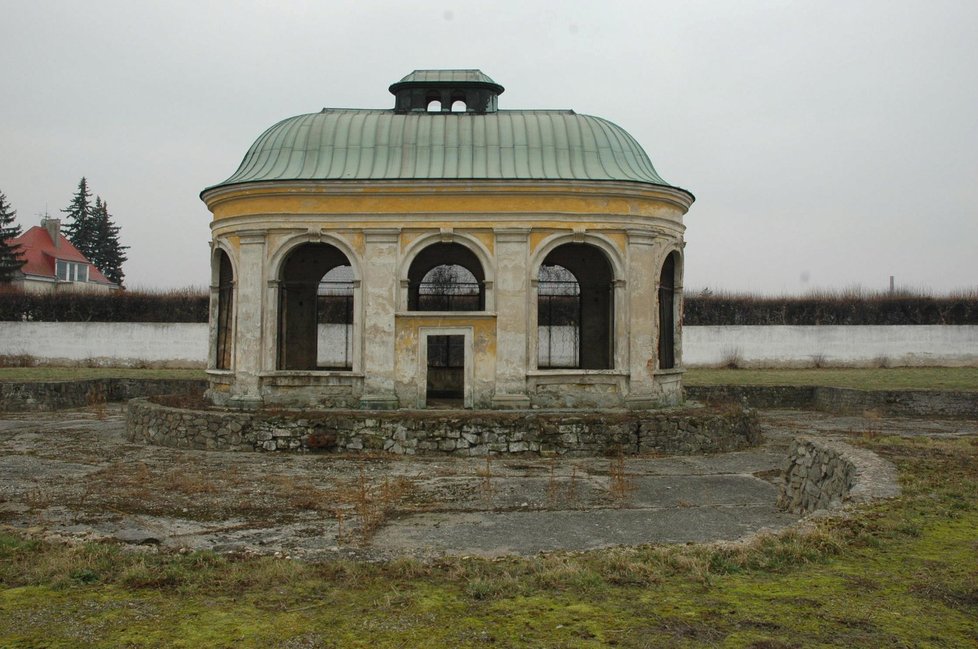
point(506, 145)
point(447, 76)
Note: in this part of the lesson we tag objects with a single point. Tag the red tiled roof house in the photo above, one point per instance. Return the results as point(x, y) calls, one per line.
point(53, 264)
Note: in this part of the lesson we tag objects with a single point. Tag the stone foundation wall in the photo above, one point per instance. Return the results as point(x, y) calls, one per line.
point(899, 403)
point(824, 474)
point(469, 433)
point(756, 396)
point(57, 395)
point(844, 401)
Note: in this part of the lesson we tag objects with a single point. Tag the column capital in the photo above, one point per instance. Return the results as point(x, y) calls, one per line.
point(641, 238)
point(382, 235)
point(252, 237)
point(511, 235)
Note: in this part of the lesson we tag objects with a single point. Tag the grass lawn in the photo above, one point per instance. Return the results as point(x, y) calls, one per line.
point(900, 573)
point(896, 378)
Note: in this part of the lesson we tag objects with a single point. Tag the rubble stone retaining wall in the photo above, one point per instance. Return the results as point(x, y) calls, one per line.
point(457, 433)
point(29, 396)
point(844, 401)
point(824, 474)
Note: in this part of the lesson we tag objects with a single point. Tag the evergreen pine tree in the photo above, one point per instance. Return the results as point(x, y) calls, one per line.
point(109, 254)
point(10, 255)
point(82, 230)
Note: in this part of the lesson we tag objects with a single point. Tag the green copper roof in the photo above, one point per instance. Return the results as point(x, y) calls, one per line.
point(478, 143)
point(447, 76)
point(382, 145)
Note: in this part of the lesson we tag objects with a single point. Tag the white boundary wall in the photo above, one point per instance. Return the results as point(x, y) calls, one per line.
point(185, 345)
point(120, 344)
point(831, 345)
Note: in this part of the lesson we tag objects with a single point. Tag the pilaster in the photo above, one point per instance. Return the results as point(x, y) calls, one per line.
point(641, 318)
point(246, 392)
point(380, 305)
point(512, 317)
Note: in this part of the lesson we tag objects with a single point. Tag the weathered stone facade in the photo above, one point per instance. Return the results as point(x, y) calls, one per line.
point(390, 196)
point(469, 433)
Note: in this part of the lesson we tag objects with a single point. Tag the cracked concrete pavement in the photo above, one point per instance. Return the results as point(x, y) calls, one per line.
point(73, 475)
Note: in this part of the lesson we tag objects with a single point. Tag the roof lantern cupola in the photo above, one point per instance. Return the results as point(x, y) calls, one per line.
point(446, 91)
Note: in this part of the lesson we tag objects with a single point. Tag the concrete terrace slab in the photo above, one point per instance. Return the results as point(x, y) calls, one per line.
point(71, 475)
point(493, 534)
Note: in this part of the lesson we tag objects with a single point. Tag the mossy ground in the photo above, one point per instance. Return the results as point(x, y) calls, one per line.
point(901, 573)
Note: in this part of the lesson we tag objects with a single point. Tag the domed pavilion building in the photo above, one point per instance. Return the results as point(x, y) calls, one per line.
point(446, 253)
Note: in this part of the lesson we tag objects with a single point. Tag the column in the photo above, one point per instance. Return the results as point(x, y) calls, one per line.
point(379, 293)
point(512, 293)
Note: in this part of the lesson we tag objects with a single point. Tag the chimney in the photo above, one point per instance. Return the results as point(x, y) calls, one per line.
point(53, 226)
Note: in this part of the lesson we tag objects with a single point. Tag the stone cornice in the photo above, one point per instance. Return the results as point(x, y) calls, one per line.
point(676, 198)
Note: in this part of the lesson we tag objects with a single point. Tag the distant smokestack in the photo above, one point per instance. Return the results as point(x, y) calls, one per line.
point(53, 226)
point(891, 283)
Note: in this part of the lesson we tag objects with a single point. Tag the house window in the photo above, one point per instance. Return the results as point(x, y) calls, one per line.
point(69, 271)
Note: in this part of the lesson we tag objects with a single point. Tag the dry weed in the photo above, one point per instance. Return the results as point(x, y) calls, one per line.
point(620, 483)
point(189, 482)
point(96, 399)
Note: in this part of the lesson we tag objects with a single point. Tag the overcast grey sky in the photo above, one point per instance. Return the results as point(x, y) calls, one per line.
point(829, 144)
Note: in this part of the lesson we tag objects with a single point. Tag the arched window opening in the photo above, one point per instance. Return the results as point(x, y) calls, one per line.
point(458, 106)
point(446, 277)
point(315, 309)
point(225, 307)
point(575, 309)
point(558, 318)
point(434, 106)
point(668, 315)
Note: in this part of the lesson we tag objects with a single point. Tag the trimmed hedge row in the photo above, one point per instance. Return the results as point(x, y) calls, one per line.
point(832, 309)
point(722, 309)
point(117, 306)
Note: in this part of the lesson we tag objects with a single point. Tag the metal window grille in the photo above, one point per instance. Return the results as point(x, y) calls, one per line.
point(334, 314)
point(559, 323)
point(225, 298)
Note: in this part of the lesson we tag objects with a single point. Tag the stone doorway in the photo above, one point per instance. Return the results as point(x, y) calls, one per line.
point(445, 379)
